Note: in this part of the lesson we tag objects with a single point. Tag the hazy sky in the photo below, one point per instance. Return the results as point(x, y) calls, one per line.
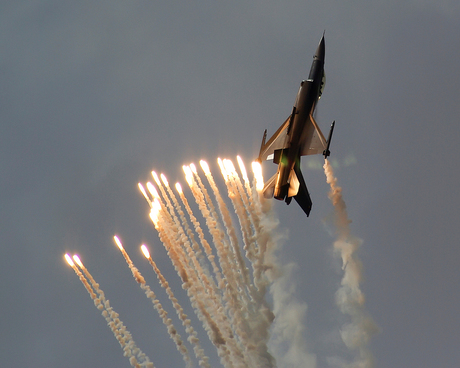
point(94, 95)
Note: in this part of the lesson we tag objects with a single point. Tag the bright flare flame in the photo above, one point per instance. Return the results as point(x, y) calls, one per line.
point(152, 190)
point(156, 207)
point(242, 168)
point(69, 260)
point(204, 165)
point(144, 193)
point(118, 242)
point(179, 188)
point(155, 176)
point(222, 169)
point(145, 251)
point(257, 170)
point(193, 168)
point(228, 164)
point(164, 180)
point(77, 260)
point(188, 174)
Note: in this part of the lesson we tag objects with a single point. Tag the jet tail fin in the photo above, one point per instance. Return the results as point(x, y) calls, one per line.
point(262, 145)
point(302, 197)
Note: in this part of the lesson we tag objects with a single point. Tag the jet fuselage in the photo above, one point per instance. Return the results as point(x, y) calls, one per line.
point(299, 131)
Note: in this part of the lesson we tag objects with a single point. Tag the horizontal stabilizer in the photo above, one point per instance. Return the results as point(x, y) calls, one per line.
point(276, 142)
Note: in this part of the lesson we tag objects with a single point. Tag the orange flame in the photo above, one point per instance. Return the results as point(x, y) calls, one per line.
point(152, 190)
point(155, 176)
point(69, 260)
point(144, 193)
point(77, 260)
point(222, 168)
point(164, 180)
point(188, 174)
point(145, 251)
point(242, 168)
point(118, 242)
point(204, 165)
point(154, 213)
point(257, 170)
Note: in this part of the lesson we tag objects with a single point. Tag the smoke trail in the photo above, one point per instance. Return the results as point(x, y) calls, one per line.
point(120, 332)
point(250, 317)
point(193, 337)
point(240, 203)
point(232, 250)
point(228, 300)
point(287, 341)
point(236, 297)
point(175, 336)
point(260, 317)
point(225, 256)
point(211, 258)
point(204, 286)
point(350, 299)
point(232, 191)
point(210, 326)
point(235, 292)
point(207, 248)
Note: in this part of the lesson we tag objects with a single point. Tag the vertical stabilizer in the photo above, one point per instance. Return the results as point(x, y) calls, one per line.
point(302, 197)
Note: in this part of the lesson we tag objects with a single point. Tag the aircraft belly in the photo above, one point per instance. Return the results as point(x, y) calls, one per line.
point(305, 139)
point(282, 181)
point(299, 135)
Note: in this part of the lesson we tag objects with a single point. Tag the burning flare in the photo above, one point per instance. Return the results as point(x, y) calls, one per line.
point(152, 190)
point(118, 242)
point(204, 165)
point(69, 260)
point(145, 251)
point(257, 170)
point(164, 180)
point(78, 261)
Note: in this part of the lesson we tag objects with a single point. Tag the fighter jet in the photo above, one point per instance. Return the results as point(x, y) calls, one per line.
point(298, 136)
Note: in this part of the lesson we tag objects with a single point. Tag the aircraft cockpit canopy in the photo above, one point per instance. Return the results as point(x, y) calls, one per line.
point(323, 84)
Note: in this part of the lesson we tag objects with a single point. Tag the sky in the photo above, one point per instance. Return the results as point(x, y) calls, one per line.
point(93, 96)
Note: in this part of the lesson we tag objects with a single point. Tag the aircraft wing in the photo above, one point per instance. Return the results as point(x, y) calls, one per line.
point(317, 143)
point(277, 141)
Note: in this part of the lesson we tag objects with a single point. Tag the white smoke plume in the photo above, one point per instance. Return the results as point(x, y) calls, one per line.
point(357, 333)
point(287, 340)
point(172, 331)
point(203, 360)
point(123, 336)
point(227, 265)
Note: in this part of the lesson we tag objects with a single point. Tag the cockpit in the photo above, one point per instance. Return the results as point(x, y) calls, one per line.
point(323, 84)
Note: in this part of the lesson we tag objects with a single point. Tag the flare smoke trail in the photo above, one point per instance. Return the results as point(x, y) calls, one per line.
point(123, 336)
point(236, 321)
point(175, 336)
point(350, 299)
point(193, 338)
point(226, 289)
point(227, 279)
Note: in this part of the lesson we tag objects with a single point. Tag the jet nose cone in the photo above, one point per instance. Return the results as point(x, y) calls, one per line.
point(320, 51)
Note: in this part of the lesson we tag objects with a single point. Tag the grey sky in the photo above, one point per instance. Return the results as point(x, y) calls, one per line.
point(95, 95)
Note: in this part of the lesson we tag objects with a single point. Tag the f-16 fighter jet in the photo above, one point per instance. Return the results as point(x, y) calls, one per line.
point(298, 136)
